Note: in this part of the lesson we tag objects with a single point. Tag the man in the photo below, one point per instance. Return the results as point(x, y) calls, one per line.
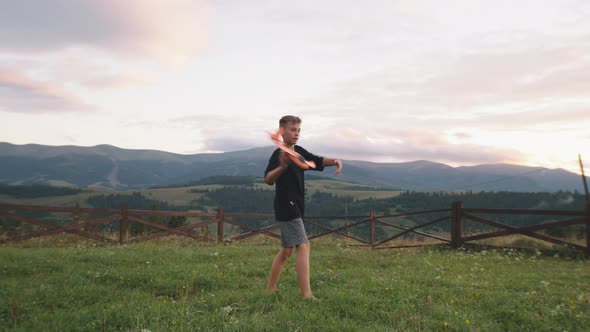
point(289, 203)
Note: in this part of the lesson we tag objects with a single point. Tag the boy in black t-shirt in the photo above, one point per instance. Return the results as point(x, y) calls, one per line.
point(289, 203)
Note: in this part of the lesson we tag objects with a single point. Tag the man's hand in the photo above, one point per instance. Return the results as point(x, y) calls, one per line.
point(284, 159)
point(338, 163)
point(284, 162)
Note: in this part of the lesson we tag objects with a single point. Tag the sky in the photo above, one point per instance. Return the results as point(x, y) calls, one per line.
point(461, 82)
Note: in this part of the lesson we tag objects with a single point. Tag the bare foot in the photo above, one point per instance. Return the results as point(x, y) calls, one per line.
point(311, 298)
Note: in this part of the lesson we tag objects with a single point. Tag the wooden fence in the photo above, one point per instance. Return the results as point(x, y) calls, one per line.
point(84, 221)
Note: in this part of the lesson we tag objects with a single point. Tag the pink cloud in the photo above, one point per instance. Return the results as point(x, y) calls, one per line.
point(167, 31)
point(21, 95)
point(412, 145)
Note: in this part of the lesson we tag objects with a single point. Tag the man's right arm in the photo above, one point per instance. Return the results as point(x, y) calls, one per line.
point(272, 176)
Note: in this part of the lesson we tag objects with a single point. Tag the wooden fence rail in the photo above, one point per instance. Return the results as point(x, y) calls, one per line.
point(74, 222)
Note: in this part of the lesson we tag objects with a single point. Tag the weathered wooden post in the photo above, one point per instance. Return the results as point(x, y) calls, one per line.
point(456, 224)
point(220, 225)
point(123, 223)
point(372, 226)
point(76, 214)
point(91, 228)
point(587, 250)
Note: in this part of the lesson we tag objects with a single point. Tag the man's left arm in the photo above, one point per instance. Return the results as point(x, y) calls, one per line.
point(333, 162)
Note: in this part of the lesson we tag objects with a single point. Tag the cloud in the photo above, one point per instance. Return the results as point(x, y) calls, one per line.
point(382, 80)
point(411, 146)
point(62, 48)
point(21, 95)
point(135, 27)
point(228, 143)
point(471, 80)
point(461, 135)
point(427, 86)
point(517, 76)
point(211, 132)
point(493, 91)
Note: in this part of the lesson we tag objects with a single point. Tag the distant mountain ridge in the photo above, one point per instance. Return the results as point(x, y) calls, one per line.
point(112, 167)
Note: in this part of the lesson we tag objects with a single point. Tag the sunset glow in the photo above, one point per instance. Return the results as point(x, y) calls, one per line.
point(465, 83)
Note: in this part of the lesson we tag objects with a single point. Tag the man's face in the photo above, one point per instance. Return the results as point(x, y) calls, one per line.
point(291, 133)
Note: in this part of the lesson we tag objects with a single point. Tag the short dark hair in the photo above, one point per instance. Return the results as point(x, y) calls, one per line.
point(288, 119)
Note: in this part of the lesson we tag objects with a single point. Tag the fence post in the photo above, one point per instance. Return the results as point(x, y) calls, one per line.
point(587, 250)
point(372, 225)
point(123, 223)
point(220, 225)
point(88, 228)
point(456, 224)
point(76, 214)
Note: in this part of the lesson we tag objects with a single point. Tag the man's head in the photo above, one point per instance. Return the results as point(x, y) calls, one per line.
point(290, 128)
point(284, 121)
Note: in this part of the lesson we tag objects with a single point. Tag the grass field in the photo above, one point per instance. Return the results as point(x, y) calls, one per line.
point(191, 287)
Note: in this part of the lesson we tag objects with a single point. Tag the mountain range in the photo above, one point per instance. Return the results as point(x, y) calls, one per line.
point(112, 167)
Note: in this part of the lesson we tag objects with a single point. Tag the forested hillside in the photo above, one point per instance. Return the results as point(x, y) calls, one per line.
point(37, 190)
point(238, 199)
point(246, 199)
point(110, 167)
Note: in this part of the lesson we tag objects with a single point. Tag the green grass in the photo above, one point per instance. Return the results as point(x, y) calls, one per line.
point(164, 287)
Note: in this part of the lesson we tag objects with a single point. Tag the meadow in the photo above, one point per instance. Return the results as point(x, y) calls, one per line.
point(190, 286)
point(185, 195)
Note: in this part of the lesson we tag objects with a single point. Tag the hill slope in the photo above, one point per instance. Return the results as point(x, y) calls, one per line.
point(108, 166)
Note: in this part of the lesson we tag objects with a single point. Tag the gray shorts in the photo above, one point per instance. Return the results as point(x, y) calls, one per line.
point(292, 233)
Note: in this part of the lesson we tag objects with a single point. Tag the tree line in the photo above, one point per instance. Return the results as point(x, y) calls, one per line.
point(36, 191)
point(240, 196)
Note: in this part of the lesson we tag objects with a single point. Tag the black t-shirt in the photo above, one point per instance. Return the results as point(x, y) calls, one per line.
point(289, 202)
